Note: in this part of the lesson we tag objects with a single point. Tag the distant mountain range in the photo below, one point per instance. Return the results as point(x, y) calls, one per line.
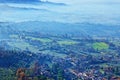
point(8, 7)
point(31, 2)
point(19, 0)
point(80, 29)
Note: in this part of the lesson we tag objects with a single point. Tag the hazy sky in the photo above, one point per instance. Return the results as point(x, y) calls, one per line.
point(76, 11)
point(86, 1)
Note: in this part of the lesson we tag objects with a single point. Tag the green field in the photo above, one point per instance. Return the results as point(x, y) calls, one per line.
point(100, 46)
point(67, 42)
point(14, 36)
point(43, 40)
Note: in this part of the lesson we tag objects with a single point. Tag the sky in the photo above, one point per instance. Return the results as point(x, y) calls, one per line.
point(75, 11)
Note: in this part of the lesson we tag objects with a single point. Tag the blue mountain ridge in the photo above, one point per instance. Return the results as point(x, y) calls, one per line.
point(31, 2)
point(64, 28)
point(7, 7)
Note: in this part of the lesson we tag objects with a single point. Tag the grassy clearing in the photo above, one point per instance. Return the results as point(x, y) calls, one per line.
point(67, 42)
point(43, 40)
point(14, 36)
point(100, 46)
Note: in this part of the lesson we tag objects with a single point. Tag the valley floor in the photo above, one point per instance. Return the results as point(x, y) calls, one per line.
point(48, 57)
